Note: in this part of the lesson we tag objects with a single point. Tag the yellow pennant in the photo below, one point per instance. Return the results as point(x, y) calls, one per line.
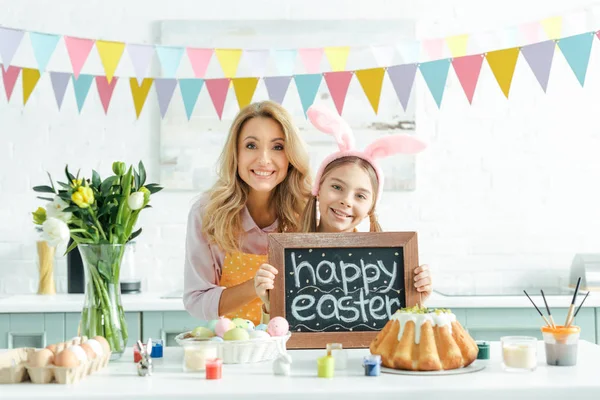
point(457, 45)
point(553, 27)
point(371, 81)
point(337, 57)
point(229, 60)
point(30, 79)
point(503, 63)
point(244, 90)
point(110, 55)
point(140, 93)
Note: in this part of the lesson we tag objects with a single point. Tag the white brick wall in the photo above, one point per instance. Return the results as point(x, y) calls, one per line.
point(506, 192)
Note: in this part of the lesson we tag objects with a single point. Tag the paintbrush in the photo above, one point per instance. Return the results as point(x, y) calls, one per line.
point(536, 307)
point(572, 306)
point(579, 308)
point(552, 324)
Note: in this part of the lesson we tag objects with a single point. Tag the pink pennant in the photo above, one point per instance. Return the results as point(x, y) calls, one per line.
point(10, 78)
point(338, 83)
point(467, 70)
point(217, 89)
point(199, 58)
point(531, 32)
point(598, 34)
point(434, 48)
point(311, 58)
point(79, 50)
point(105, 90)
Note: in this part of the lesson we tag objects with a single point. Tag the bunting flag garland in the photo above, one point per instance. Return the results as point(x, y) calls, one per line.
point(141, 57)
point(60, 81)
point(311, 58)
point(371, 81)
point(503, 63)
point(229, 60)
point(190, 89)
point(9, 76)
point(82, 86)
point(277, 87)
point(217, 89)
point(308, 86)
point(337, 57)
point(164, 92)
point(467, 70)
point(403, 77)
point(539, 57)
point(576, 50)
point(244, 90)
point(199, 58)
point(110, 54)
point(78, 50)
point(457, 45)
point(140, 93)
point(30, 78)
point(435, 74)
point(10, 39)
point(338, 83)
point(105, 90)
point(170, 58)
point(43, 46)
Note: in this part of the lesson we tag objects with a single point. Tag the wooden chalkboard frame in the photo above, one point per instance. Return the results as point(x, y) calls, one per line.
point(279, 242)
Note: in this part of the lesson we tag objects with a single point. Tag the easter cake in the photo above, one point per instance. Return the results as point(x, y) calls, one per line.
point(422, 339)
point(237, 340)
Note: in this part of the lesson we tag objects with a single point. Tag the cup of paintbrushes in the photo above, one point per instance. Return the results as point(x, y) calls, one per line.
point(561, 344)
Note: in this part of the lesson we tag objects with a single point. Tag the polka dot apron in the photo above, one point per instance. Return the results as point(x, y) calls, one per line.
point(239, 268)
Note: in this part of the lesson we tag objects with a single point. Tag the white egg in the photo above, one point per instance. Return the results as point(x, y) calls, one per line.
point(96, 346)
point(79, 353)
point(258, 334)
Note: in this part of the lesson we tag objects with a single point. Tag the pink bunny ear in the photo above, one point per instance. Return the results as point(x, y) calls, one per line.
point(329, 122)
point(395, 144)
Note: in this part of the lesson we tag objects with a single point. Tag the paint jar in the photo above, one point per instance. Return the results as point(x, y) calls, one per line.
point(214, 368)
point(372, 364)
point(519, 353)
point(325, 366)
point(339, 354)
point(561, 345)
point(484, 349)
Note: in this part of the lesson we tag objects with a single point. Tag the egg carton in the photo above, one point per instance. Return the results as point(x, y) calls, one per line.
point(240, 351)
point(63, 375)
point(12, 365)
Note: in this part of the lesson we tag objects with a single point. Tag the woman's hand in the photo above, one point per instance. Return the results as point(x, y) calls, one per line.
point(423, 281)
point(264, 280)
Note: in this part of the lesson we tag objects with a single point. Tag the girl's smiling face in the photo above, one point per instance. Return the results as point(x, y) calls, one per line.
point(345, 198)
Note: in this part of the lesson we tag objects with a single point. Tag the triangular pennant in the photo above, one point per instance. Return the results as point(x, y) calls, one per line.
point(81, 86)
point(110, 54)
point(141, 57)
point(384, 55)
point(311, 58)
point(9, 77)
point(277, 87)
point(258, 61)
point(43, 45)
point(530, 32)
point(403, 78)
point(410, 51)
point(30, 79)
point(552, 26)
point(539, 57)
point(199, 58)
point(576, 50)
point(337, 57)
point(435, 74)
point(217, 89)
point(190, 89)
point(285, 61)
point(503, 63)
point(10, 39)
point(105, 90)
point(164, 91)
point(467, 70)
point(338, 83)
point(170, 58)
point(140, 93)
point(60, 81)
point(308, 86)
point(434, 48)
point(457, 45)
point(229, 59)
point(244, 90)
point(78, 50)
point(371, 81)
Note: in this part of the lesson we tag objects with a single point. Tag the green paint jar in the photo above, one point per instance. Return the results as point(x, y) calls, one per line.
point(484, 350)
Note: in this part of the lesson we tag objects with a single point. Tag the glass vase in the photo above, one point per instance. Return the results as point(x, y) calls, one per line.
point(103, 313)
point(45, 259)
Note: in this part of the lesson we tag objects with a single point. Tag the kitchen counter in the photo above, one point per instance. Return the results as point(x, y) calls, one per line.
point(28, 303)
point(253, 381)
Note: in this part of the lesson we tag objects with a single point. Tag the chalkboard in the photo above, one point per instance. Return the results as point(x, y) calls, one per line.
point(341, 287)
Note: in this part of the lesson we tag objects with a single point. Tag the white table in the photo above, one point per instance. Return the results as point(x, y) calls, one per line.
point(256, 381)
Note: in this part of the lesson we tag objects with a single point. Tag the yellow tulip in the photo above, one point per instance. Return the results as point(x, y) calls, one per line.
point(75, 183)
point(83, 197)
point(39, 216)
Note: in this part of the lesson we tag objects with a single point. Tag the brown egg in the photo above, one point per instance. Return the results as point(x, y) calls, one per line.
point(52, 348)
point(104, 343)
point(91, 354)
point(60, 347)
point(41, 358)
point(66, 359)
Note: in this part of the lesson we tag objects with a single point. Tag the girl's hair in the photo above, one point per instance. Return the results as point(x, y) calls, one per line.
point(309, 217)
point(221, 222)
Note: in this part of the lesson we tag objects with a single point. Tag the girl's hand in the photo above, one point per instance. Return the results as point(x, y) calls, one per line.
point(423, 281)
point(264, 280)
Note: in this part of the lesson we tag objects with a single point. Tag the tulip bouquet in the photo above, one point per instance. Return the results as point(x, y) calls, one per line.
point(100, 216)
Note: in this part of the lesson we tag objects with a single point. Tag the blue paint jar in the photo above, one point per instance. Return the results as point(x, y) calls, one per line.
point(157, 349)
point(372, 364)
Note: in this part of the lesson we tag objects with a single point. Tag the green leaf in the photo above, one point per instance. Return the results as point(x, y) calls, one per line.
point(135, 234)
point(45, 198)
point(96, 181)
point(107, 184)
point(64, 185)
point(71, 209)
point(44, 189)
point(104, 269)
point(137, 180)
point(153, 188)
point(142, 173)
point(51, 183)
point(69, 176)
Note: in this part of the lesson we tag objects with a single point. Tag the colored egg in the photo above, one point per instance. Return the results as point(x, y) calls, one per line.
point(278, 326)
point(215, 339)
point(201, 332)
point(258, 335)
point(223, 325)
point(261, 327)
point(243, 323)
point(211, 324)
point(236, 334)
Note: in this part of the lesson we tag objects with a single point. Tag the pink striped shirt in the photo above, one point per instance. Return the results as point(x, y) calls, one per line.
point(203, 261)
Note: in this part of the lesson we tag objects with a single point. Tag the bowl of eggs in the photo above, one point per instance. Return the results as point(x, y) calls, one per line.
point(235, 341)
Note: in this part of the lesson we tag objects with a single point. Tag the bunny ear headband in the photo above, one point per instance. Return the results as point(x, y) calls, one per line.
point(328, 121)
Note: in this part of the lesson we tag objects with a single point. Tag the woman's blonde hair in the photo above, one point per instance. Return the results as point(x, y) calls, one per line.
point(309, 216)
point(221, 222)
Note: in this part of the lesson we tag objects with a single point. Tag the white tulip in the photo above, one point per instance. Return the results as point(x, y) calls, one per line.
point(136, 201)
point(55, 231)
point(55, 210)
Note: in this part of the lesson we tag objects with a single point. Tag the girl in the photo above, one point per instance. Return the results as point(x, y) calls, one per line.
point(263, 186)
point(347, 187)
